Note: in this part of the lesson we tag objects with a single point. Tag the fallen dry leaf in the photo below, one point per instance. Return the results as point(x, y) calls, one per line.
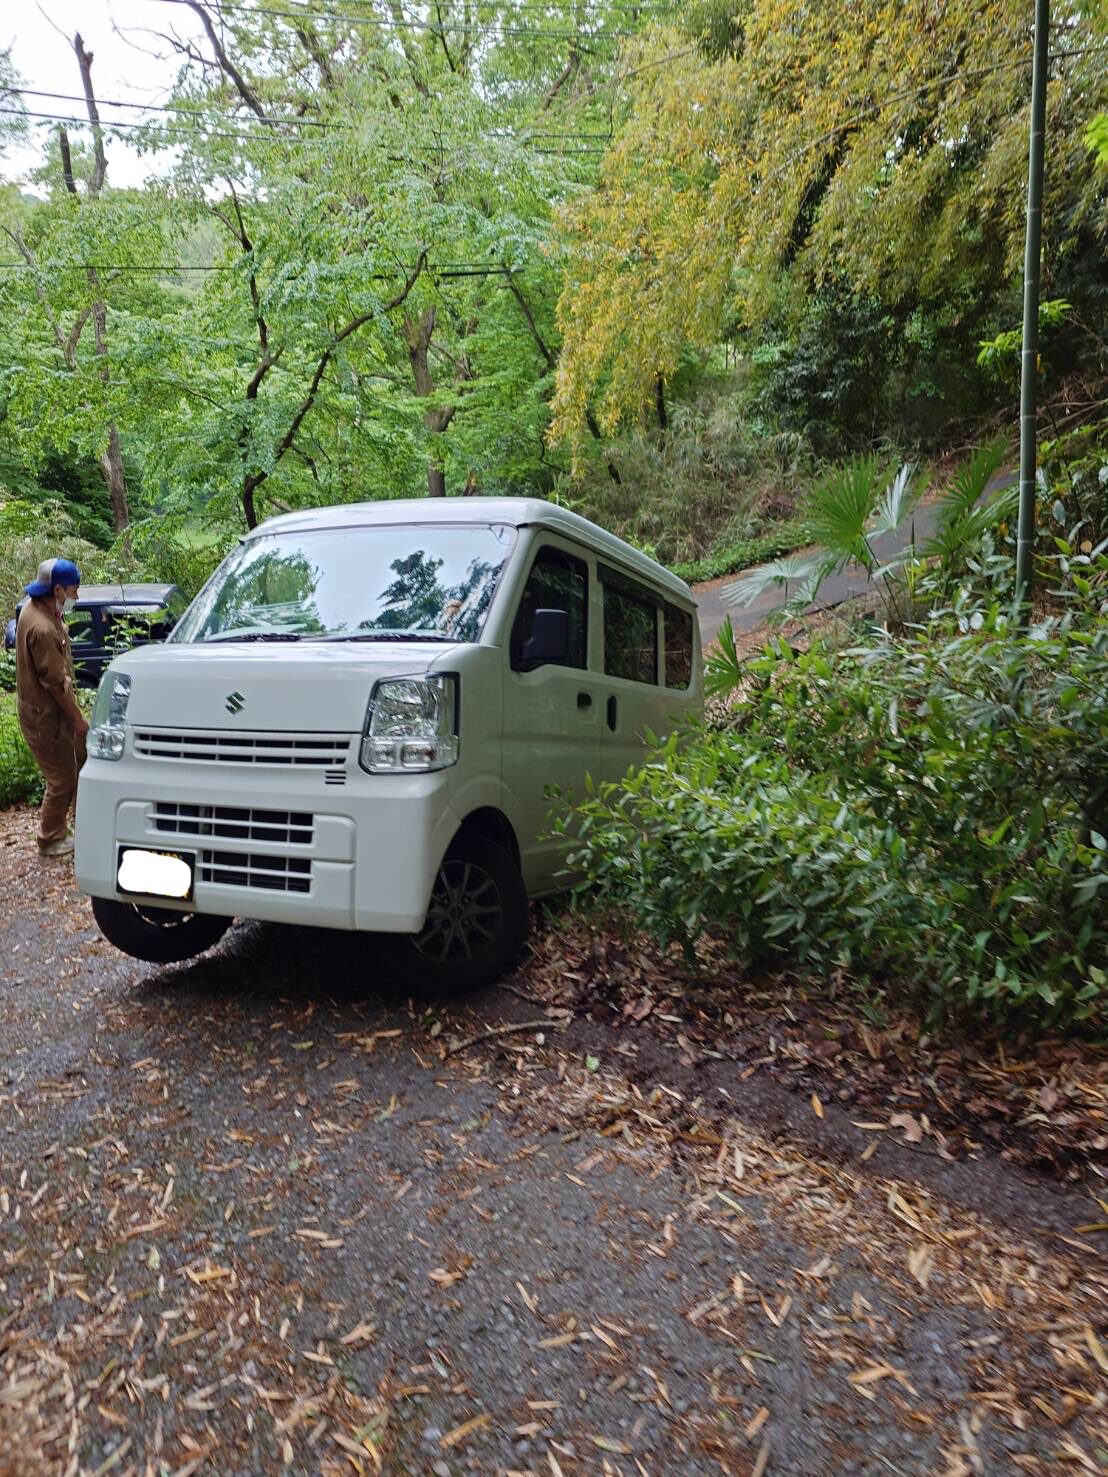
point(609, 1443)
point(913, 1133)
point(467, 1428)
point(757, 1423)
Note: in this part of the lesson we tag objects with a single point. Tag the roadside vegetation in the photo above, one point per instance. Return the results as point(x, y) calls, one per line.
point(709, 274)
point(918, 808)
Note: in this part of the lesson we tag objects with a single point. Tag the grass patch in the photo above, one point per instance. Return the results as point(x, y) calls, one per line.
point(20, 781)
point(733, 558)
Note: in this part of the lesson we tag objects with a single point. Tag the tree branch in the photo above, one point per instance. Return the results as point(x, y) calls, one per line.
point(245, 91)
point(441, 34)
point(67, 161)
point(529, 319)
point(563, 77)
point(253, 480)
point(320, 57)
point(16, 238)
point(100, 162)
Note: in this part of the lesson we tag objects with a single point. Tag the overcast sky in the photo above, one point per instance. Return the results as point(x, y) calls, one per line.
point(130, 63)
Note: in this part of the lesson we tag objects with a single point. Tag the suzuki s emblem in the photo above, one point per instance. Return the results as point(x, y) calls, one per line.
point(235, 702)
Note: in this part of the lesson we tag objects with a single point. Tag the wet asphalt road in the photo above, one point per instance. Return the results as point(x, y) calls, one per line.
point(252, 1218)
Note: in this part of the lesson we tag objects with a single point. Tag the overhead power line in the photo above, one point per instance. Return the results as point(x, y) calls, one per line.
point(168, 130)
point(206, 115)
point(472, 269)
point(490, 28)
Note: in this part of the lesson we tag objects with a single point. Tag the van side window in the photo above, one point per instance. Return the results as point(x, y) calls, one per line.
point(630, 629)
point(557, 581)
point(679, 646)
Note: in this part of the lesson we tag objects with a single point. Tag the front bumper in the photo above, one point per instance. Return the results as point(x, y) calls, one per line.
point(286, 847)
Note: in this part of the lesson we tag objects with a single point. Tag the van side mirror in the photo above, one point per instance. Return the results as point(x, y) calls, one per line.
point(549, 639)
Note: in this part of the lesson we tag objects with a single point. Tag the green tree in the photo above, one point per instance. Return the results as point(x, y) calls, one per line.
point(381, 322)
point(881, 146)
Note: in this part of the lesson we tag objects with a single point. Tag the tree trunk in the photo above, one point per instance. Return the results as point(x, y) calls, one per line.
point(417, 335)
point(111, 464)
point(250, 512)
point(436, 479)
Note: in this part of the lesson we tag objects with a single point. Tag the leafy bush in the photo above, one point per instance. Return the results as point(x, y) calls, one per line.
point(852, 506)
point(928, 813)
point(1075, 468)
point(171, 549)
point(845, 369)
point(712, 481)
point(733, 558)
point(19, 777)
point(29, 533)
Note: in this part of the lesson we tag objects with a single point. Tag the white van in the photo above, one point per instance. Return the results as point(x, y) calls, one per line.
point(358, 724)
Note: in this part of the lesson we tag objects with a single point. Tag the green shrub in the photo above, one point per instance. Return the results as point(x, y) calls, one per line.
point(29, 533)
point(712, 480)
point(20, 780)
point(733, 558)
point(171, 549)
point(928, 813)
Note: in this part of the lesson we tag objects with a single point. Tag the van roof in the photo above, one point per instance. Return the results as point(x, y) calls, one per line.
point(517, 512)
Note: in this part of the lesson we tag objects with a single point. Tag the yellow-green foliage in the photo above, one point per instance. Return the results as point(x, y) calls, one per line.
point(880, 143)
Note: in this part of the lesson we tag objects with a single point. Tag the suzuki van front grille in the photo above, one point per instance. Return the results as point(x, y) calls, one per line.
point(233, 823)
point(299, 750)
point(269, 873)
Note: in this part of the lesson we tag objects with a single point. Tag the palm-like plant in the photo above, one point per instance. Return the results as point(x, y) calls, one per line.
point(851, 508)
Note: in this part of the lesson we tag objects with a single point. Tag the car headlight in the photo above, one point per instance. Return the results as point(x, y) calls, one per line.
point(411, 725)
point(107, 732)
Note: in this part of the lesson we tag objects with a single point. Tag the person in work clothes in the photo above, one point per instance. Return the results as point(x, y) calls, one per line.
point(52, 723)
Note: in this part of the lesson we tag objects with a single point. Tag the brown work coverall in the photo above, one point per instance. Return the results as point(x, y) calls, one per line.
point(43, 671)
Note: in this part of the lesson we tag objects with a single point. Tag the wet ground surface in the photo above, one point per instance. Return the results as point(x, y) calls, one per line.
point(716, 599)
point(261, 1213)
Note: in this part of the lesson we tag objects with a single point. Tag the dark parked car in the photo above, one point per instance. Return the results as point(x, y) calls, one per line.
point(111, 618)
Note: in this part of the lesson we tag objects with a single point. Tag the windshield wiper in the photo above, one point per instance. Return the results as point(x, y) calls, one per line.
point(391, 636)
point(255, 636)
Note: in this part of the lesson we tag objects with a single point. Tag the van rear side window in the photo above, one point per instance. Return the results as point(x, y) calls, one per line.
point(679, 646)
point(630, 630)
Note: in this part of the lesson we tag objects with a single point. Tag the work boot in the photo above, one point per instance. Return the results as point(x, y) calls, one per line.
point(62, 847)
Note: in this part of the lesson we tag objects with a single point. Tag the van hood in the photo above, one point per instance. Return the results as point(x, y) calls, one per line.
point(309, 687)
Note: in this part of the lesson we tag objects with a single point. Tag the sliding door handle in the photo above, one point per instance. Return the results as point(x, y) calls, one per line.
point(613, 714)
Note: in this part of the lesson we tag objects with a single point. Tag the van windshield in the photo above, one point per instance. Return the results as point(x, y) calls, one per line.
point(388, 582)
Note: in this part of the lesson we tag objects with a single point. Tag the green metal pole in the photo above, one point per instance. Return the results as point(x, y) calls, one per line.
point(1029, 359)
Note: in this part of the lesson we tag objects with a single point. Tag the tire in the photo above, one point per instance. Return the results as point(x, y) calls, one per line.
point(476, 923)
point(158, 935)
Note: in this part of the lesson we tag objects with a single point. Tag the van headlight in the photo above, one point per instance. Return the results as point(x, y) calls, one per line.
point(411, 725)
point(107, 731)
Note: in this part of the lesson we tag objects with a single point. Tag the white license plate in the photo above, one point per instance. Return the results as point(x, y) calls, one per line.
point(155, 873)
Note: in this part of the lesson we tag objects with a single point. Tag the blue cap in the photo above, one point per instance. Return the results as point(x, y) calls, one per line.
point(53, 572)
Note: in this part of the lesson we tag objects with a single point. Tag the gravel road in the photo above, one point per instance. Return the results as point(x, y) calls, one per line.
point(256, 1216)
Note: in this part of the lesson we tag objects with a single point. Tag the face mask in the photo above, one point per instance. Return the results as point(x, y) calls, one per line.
point(68, 604)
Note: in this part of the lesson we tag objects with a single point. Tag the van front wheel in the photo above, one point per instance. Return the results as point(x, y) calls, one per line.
point(158, 935)
point(476, 922)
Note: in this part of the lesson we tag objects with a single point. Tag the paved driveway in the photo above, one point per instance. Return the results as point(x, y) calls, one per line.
point(715, 605)
point(254, 1218)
